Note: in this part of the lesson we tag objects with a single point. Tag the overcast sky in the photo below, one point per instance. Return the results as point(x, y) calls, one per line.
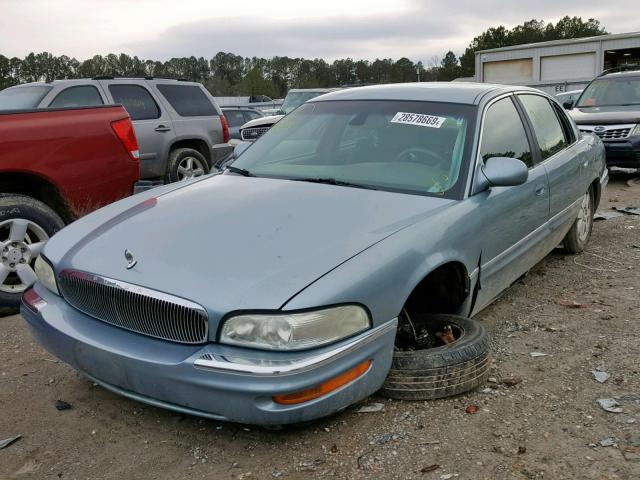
point(330, 29)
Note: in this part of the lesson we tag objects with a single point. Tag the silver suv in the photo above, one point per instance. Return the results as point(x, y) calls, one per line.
point(181, 131)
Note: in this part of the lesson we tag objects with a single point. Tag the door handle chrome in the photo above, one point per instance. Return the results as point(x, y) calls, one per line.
point(162, 128)
point(540, 189)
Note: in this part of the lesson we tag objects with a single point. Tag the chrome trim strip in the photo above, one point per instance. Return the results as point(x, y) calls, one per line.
point(289, 367)
point(130, 287)
point(532, 234)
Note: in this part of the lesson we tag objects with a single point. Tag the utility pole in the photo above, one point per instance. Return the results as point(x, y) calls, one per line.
point(418, 72)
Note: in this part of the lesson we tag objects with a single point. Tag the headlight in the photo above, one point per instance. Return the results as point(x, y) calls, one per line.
point(294, 331)
point(45, 274)
point(635, 131)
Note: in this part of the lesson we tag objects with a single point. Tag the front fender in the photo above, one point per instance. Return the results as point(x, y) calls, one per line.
point(382, 276)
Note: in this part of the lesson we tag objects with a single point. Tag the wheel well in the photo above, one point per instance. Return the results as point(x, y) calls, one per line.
point(444, 290)
point(38, 188)
point(596, 187)
point(196, 144)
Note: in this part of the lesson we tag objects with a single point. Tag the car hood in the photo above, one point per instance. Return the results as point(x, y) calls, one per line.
point(231, 242)
point(263, 121)
point(606, 115)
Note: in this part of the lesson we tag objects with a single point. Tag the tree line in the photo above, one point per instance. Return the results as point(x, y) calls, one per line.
point(230, 74)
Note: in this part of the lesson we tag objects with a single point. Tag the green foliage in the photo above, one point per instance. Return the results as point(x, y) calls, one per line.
point(230, 74)
point(529, 32)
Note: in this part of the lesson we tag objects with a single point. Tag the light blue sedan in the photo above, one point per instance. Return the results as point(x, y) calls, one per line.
point(271, 293)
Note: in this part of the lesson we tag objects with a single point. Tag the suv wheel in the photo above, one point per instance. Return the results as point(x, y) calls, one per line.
point(25, 225)
point(186, 163)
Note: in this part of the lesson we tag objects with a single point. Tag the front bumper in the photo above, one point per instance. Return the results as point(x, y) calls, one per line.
point(624, 153)
point(212, 380)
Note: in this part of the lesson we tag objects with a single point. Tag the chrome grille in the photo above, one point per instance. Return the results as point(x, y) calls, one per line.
point(135, 308)
point(253, 133)
point(608, 132)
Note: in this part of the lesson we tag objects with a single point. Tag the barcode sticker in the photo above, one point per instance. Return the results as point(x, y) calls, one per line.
point(418, 119)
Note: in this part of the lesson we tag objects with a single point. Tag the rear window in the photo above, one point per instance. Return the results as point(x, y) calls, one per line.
point(187, 100)
point(19, 98)
point(137, 100)
point(80, 96)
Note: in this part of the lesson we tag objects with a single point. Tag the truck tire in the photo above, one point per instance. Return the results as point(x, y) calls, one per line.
point(25, 224)
point(577, 238)
point(441, 371)
point(185, 163)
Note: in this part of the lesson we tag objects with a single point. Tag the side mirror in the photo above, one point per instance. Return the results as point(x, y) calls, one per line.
point(239, 148)
point(567, 104)
point(501, 172)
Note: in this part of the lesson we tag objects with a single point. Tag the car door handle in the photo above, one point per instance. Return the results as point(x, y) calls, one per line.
point(540, 189)
point(162, 128)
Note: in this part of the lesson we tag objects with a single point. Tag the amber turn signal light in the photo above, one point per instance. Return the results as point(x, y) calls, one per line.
point(323, 388)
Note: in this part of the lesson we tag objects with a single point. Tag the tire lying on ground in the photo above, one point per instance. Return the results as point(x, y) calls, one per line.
point(444, 370)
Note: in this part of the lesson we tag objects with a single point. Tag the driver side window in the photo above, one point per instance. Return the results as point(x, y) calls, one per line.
point(503, 134)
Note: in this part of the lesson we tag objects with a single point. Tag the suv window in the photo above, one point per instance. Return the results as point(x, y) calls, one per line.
point(137, 100)
point(22, 97)
point(611, 91)
point(546, 125)
point(80, 96)
point(188, 100)
point(503, 134)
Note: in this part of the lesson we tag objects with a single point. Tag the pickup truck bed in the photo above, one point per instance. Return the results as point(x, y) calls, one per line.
point(55, 166)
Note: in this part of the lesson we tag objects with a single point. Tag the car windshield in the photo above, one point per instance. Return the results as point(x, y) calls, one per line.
point(411, 147)
point(608, 92)
point(294, 99)
point(20, 98)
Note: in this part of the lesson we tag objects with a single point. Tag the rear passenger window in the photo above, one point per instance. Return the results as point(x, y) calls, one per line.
point(546, 125)
point(137, 100)
point(567, 126)
point(188, 100)
point(80, 96)
point(503, 134)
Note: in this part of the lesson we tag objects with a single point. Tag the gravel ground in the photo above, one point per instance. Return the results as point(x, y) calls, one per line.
point(581, 311)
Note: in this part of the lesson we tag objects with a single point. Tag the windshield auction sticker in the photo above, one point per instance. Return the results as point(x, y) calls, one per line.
point(418, 119)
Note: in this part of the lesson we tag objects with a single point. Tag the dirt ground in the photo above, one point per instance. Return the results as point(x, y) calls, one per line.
point(548, 426)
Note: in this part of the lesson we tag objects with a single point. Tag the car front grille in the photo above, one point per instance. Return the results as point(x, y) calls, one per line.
point(135, 308)
point(608, 132)
point(253, 133)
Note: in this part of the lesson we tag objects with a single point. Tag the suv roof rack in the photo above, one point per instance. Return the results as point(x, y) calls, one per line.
point(622, 68)
point(143, 77)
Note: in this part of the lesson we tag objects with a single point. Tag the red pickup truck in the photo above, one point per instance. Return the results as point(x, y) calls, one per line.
point(55, 166)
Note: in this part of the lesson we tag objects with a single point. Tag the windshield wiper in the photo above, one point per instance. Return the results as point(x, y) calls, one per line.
point(240, 171)
point(334, 181)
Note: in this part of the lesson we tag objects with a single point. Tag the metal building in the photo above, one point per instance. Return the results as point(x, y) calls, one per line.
point(558, 65)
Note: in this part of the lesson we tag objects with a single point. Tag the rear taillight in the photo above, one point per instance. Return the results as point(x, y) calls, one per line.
point(225, 129)
point(126, 134)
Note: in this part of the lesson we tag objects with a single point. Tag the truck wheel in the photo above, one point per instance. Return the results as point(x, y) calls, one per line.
point(441, 371)
point(25, 225)
point(578, 237)
point(186, 163)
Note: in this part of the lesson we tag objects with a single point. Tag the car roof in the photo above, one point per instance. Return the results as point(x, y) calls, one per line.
point(626, 73)
point(450, 92)
point(70, 81)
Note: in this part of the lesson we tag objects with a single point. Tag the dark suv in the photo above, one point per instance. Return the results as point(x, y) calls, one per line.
point(181, 131)
point(610, 108)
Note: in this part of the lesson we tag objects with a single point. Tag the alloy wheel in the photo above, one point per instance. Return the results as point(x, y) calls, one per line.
point(21, 241)
point(584, 218)
point(190, 167)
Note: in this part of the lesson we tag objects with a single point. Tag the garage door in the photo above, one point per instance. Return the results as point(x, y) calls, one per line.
point(508, 71)
point(568, 67)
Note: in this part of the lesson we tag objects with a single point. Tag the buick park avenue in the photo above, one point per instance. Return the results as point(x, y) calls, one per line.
point(280, 301)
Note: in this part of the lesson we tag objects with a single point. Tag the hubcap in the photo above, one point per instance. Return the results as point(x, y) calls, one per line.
point(21, 241)
point(190, 167)
point(584, 218)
